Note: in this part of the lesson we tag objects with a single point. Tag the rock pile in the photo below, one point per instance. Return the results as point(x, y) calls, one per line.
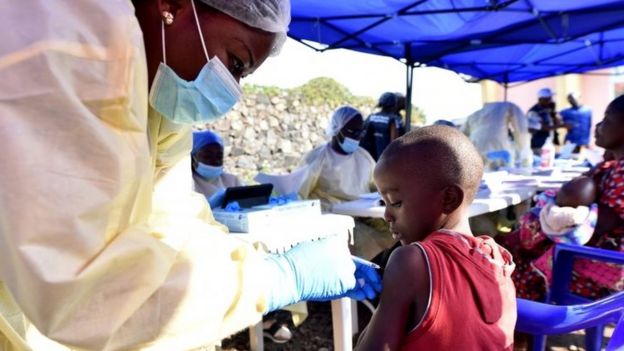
point(271, 129)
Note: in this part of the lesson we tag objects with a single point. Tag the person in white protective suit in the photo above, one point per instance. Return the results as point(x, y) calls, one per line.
point(490, 129)
point(103, 246)
point(339, 170)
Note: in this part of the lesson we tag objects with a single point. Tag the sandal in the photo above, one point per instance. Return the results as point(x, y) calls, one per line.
point(278, 333)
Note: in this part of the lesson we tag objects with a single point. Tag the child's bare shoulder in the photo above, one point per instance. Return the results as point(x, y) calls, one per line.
point(407, 271)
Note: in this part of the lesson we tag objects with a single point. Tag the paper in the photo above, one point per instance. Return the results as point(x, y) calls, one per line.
point(594, 156)
point(566, 150)
point(371, 196)
point(284, 183)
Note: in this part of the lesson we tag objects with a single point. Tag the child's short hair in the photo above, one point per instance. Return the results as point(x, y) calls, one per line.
point(442, 153)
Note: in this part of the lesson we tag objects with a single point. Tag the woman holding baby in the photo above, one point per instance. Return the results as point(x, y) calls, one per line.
point(588, 210)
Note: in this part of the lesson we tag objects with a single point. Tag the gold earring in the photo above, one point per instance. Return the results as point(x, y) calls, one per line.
point(167, 17)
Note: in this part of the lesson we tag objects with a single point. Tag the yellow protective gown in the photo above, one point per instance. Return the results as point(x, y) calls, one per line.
point(334, 177)
point(102, 244)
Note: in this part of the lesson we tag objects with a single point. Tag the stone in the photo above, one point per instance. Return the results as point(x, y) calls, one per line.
point(234, 115)
point(265, 154)
point(246, 162)
point(271, 138)
point(262, 99)
point(263, 125)
point(291, 159)
point(237, 125)
point(273, 121)
point(249, 134)
point(285, 145)
point(271, 131)
point(236, 151)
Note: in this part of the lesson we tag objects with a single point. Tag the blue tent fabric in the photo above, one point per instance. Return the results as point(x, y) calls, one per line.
point(502, 40)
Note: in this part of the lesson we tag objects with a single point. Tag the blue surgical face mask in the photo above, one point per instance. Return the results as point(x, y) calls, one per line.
point(208, 171)
point(212, 94)
point(349, 145)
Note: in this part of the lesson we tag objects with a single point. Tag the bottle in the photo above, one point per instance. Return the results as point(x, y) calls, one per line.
point(526, 159)
point(526, 154)
point(547, 154)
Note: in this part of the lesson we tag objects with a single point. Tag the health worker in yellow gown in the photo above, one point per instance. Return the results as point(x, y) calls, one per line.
point(103, 243)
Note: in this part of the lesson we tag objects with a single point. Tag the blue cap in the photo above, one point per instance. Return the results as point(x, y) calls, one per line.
point(202, 138)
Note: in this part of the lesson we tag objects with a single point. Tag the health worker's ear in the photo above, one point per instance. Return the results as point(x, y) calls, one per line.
point(169, 9)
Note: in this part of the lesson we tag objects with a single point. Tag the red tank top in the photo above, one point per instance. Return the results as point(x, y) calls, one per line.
point(473, 300)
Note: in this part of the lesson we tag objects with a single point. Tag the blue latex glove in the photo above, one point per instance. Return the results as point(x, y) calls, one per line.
point(316, 270)
point(217, 198)
point(232, 207)
point(368, 283)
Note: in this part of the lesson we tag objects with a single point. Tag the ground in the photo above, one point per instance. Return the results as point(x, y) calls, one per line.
point(314, 334)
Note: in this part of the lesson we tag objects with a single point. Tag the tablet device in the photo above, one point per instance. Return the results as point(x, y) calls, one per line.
point(248, 196)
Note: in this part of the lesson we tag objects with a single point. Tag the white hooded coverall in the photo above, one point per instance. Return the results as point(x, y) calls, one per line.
point(489, 129)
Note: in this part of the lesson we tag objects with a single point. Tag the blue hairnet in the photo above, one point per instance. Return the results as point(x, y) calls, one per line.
point(202, 138)
point(341, 116)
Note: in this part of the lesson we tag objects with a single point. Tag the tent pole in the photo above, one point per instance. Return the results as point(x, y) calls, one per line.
point(506, 87)
point(506, 84)
point(408, 95)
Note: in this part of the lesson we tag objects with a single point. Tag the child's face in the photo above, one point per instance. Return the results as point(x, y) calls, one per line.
point(413, 206)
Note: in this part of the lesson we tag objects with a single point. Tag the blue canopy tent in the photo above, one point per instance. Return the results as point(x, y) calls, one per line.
point(502, 40)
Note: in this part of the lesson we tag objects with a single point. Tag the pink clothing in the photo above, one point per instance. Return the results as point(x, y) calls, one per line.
point(473, 300)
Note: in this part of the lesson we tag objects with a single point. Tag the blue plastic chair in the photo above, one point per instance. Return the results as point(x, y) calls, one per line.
point(563, 260)
point(541, 318)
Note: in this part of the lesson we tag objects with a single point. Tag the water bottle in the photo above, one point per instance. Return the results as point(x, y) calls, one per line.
point(547, 154)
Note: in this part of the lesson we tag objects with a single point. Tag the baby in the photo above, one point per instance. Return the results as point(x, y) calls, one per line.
point(443, 289)
point(572, 216)
point(580, 191)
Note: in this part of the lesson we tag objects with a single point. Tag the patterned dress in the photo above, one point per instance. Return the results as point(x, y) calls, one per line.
point(533, 251)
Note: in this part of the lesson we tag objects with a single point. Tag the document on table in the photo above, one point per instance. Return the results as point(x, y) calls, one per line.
point(371, 196)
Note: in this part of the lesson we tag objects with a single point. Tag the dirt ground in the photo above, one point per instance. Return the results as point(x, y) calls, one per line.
point(314, 334)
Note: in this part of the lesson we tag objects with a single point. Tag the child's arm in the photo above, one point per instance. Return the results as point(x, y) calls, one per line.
point(405, 283)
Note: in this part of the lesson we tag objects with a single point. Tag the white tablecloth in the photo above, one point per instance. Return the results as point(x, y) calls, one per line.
point(288, 232)
point(484, 203)
point(506, 188)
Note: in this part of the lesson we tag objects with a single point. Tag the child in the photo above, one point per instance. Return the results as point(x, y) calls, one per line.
point(570, 215)
point(444, 289)
point(580, 191)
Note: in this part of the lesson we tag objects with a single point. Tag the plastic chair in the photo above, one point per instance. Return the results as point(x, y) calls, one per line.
point(563, 260)
point(541, 318)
